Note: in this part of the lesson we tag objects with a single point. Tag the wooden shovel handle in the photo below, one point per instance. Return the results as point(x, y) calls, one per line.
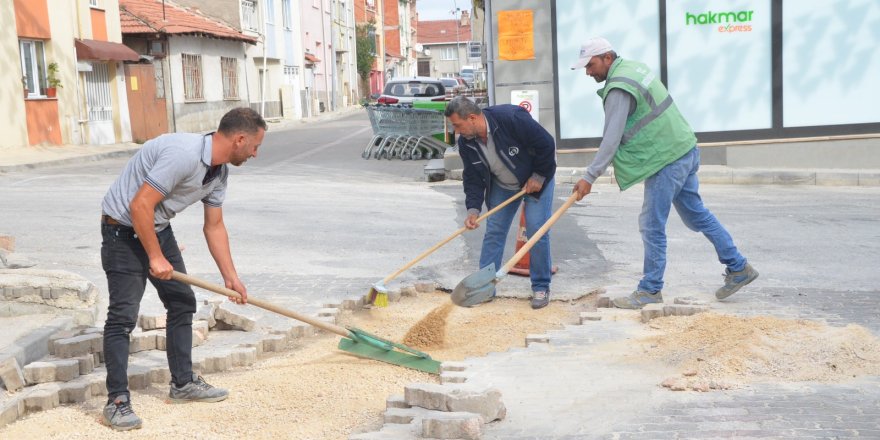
point(448, 239)
point(538, 234)
point(193, 281)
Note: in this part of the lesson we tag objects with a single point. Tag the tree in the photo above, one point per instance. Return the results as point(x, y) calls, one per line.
point(365, 40)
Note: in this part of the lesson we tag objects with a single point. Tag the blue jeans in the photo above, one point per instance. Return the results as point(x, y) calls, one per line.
point(677, 185)
point(538, 210)
point(127, 267)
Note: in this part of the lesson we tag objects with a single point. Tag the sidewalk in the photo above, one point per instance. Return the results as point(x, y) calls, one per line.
point(37, 156)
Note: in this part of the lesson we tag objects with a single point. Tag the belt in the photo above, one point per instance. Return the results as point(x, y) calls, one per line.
point(107, 220)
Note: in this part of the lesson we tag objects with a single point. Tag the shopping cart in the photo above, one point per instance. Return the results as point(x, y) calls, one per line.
point(404, 133)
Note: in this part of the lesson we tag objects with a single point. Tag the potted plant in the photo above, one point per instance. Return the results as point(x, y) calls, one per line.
point(52, 80)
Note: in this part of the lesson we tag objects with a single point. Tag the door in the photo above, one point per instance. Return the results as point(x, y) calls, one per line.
point(424, 67)
point(99, 105)
point(146, 105)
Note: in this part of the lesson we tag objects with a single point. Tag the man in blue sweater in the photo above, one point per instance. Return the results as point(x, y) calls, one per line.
point(504, 151)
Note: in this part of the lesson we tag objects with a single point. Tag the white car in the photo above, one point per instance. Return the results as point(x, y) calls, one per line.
point(407, 90)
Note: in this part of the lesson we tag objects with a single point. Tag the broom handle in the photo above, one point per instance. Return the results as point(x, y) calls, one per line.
point(191, 280)
point(448, 239)
point(538, 234)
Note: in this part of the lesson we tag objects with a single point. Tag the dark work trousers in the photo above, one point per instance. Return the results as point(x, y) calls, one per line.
point(127, 267)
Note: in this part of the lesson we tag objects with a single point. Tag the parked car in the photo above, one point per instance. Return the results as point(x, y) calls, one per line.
point(407, 90)
point(454, 86)
point(467, 73)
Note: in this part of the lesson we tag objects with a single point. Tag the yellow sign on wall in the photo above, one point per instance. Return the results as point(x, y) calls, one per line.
point(134, 83)
point(516, 35)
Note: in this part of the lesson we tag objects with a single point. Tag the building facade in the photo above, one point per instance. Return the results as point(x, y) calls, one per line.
point(76, 47)
point(446, 44)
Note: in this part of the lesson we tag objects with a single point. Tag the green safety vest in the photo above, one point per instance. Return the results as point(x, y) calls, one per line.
point(656, 133)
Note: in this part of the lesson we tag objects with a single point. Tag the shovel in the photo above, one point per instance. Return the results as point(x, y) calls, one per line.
point(378, 295)
point(354, 341)
point(478, 287)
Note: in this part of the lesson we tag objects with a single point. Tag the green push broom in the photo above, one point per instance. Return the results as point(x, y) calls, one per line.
point(378, 295)
point(354, 341)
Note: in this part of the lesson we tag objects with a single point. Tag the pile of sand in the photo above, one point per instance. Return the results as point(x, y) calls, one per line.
point(431, 330)
point(721, 351)
point(313, 391)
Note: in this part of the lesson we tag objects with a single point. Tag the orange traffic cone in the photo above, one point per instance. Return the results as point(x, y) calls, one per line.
point(521, 267)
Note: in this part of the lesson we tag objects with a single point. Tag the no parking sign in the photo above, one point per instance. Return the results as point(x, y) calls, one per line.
point(527, 99)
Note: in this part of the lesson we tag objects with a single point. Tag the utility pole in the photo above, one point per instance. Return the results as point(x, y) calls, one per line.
point(457, 43)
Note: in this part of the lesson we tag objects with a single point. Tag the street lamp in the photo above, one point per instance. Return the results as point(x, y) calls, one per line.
point(457, 43)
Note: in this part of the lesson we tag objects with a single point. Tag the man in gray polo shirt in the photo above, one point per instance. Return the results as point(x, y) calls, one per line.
point(168, 174)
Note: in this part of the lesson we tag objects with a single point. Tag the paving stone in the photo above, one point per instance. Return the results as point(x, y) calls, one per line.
point(651, 311)
point(202, 327)
point(425, 287)
point(98, 383)
point(74, 392)
point(11, 410)
point(206, 313)
point(690, 301)
point(590, 316)
point(149, 322)
point(334, 312)
point(160, 375)
point(483, 401)
point(452, 366)
point(274, 343)
point(408, 291)
point(42, 399)
point(79, 345)
point(537, 339)
point(396, 401)
point(603, 301)
point(138, 377)
point(140, 341)
point(39, 372)
point(243, 356)
point(682, 310)
point(64, 334)
point(353, 303)
point(66, 369)
point(234, 320)
point(11, 376)
point(453, 425)
point(453, 377)
point(404, 416)
point(197, 339)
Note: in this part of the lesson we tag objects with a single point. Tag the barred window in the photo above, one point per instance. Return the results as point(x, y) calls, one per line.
point(229, 72)
point(192, 77)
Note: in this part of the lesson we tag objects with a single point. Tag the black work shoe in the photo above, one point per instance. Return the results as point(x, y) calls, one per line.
point(196, 391)
point(540, 299)
point(119, 415)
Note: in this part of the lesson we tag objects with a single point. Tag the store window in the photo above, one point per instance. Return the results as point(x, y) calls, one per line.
point(830, 62)
point(719, 63)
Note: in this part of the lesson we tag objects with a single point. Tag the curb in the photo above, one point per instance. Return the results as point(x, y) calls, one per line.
point(85, 158)
point(718, 174)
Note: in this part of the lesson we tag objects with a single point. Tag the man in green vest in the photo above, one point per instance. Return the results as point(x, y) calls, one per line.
point(648, 140)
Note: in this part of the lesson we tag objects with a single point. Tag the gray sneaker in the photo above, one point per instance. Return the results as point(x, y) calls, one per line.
point(637, 300)
point(196, 391)
point(540, 299)
point(119, 415)
point(734, 281)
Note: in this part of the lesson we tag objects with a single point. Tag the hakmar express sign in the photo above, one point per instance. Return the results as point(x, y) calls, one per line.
point(733, 21)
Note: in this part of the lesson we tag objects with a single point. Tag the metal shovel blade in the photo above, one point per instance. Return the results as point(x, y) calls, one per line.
point(475, 288)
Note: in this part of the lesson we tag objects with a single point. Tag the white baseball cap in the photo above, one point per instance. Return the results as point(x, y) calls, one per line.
point(592, 47)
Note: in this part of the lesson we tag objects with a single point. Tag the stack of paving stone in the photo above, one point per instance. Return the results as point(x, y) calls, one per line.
point(73, 371)
point(450, 410)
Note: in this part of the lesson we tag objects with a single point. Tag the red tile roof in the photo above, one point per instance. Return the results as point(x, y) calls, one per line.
point(442, 32)
point(145, 17)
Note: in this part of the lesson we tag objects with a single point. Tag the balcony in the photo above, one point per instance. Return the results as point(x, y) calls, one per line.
point(250, 16)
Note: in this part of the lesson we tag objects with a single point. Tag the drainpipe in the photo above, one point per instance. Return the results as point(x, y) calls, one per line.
point(265, 73)
point(79, 98)
point(490, 56)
